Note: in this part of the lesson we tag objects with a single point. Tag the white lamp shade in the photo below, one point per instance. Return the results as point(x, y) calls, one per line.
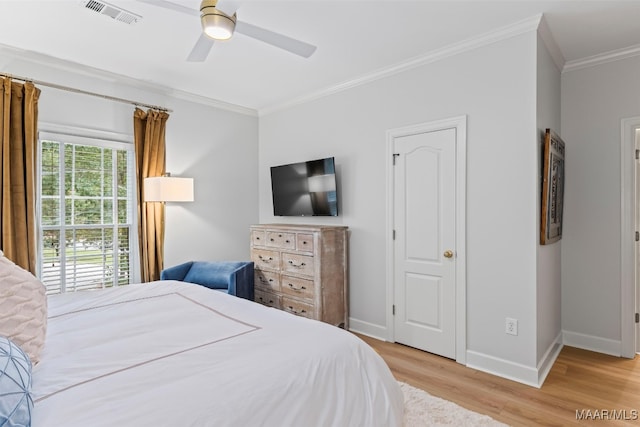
point(168, 189)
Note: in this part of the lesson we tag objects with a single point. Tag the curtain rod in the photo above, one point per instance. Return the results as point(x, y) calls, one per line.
point(84, 92)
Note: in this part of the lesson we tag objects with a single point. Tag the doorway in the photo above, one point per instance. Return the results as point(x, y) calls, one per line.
point(637, 239)
point(426, 283)
point(629, 272)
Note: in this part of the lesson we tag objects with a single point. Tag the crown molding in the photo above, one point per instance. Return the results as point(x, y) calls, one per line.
point(603, 58)
point(9, 53)
point(502, 33)
point(550, 42)
point(199, 99)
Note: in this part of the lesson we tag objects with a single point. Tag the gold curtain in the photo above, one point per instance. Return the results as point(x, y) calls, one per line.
point(149, 138)
point(18, 130)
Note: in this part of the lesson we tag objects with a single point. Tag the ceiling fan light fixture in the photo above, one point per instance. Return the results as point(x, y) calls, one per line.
point(215, 23)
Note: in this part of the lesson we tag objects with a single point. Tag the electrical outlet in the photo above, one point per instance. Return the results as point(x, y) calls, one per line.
point(511, 326)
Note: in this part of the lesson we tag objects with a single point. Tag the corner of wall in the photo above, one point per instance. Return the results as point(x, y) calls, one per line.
point(515, 371)
point(549, 358)
point(368, 329)
point(550, 43)
point(592, 343)
point(503, 368)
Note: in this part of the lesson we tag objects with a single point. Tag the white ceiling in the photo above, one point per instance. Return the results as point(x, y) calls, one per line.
point(354, 38)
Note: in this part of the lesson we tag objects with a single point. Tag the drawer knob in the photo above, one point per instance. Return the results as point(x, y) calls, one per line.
point(302, 264)
point(301, 288)
point(296, 312)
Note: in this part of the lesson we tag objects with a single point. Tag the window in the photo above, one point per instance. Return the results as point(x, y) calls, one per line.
point(86, 213)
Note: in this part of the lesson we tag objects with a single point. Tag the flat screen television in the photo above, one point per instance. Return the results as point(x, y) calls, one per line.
point(305, 188)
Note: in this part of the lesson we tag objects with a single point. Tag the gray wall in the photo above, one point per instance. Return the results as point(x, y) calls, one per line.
point(495, 86)
point(548, 305)
point(594, 101)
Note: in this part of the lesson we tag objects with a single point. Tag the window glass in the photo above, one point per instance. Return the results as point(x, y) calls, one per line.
point(86, 215)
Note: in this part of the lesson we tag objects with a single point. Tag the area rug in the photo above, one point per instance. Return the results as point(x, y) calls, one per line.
point(422, 409)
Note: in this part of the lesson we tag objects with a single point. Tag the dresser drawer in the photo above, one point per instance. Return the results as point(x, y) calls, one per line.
point(267, 298)
point(296, 263)
point(266, 280)
point(304, 242)
point(280, 240)
point(301, 288)
point(302, 269)
point(258, 238)
point(265, 259)
point(298, 308)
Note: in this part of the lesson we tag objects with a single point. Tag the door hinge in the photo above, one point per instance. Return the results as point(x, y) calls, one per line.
point(637, 236)
point(637, 317)
point(394, 234)
point(393, 309)
point(394, 158)
point(637, 154)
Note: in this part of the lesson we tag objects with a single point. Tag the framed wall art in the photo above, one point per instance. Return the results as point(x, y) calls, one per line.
point(552, 188)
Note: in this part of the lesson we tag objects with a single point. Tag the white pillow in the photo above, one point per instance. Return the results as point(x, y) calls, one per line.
point(23, 308)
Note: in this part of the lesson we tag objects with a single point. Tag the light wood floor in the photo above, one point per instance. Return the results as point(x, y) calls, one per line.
point(579, 380)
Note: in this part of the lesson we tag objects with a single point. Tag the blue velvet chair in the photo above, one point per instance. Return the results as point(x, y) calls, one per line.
point(233, 277)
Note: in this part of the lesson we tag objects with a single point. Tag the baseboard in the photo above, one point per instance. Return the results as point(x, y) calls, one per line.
point(549, 359)
point(515, 371)
point(483, 362)
point(369, 329)
point(592, 343)
point(503, 368)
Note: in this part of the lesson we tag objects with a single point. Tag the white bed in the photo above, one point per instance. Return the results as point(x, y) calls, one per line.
point(176, 354)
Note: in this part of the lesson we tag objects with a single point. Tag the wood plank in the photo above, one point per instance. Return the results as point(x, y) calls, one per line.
point(580, 380)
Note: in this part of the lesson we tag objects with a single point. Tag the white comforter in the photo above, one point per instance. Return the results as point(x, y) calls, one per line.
point(176, 354)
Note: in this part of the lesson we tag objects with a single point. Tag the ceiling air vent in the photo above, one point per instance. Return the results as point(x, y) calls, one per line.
point(115, 12)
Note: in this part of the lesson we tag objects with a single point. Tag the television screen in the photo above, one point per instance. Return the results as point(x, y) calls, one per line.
point(305, 188)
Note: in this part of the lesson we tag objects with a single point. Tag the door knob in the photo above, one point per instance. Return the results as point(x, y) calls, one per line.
point(448, 254)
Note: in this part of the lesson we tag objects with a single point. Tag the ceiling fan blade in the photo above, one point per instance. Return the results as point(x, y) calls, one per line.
point(172, 6)
point(229, 7)
point(201, 50)
point(278, 40)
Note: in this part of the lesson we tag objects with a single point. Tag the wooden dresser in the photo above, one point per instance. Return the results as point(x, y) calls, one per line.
point(302, 269)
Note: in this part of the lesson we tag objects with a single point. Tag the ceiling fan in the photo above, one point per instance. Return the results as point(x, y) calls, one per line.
point(219, 21)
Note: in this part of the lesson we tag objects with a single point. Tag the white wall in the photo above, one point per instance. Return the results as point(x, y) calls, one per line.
point(594, 101)
point(548, 304)
point(495, 86)
point(218, 148)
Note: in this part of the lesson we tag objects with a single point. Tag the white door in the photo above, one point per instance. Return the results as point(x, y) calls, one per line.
point(424, 216)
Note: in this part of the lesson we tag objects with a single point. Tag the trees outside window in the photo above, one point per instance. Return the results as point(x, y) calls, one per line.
point(86, 213)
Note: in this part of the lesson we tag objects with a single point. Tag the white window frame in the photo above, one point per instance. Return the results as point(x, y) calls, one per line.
point(93, 137)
